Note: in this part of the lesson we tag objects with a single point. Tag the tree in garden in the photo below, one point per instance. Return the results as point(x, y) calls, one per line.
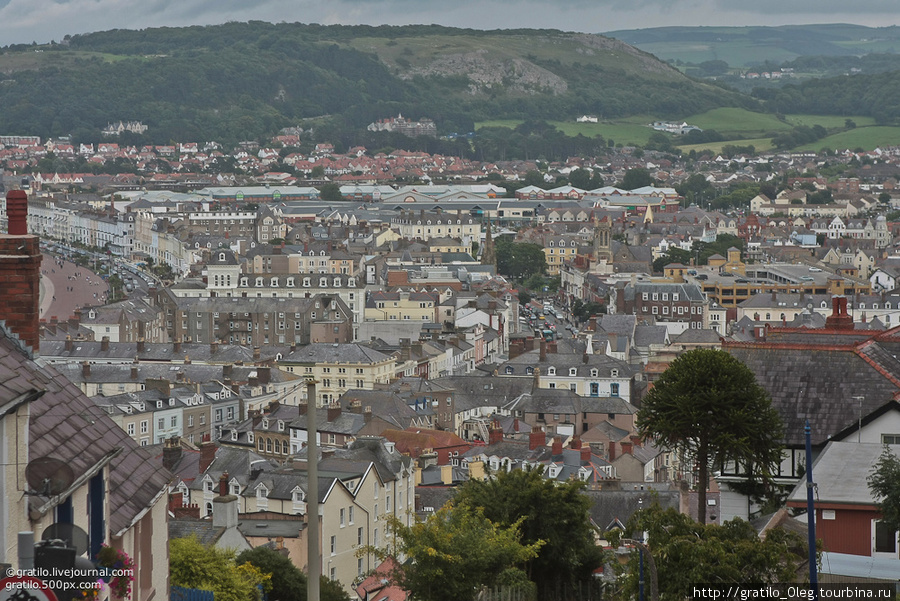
point(688, 552)
point(456, 552)
point(549, 511)
point(884, 483)
point(708, 406)
point(519, 259)
point(288, 582)
point(193, 565)
point(637, 178)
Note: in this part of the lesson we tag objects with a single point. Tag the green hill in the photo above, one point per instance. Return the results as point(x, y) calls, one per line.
point(246, 80)
point(748, 46)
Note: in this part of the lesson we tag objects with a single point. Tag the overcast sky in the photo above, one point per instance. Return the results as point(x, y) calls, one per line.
point(24, 21)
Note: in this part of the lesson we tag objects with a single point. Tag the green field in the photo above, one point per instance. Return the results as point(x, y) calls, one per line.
point(867, 138)
point(760, 144)
point(741, 127)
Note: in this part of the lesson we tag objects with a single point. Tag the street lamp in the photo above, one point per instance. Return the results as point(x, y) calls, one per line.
point(654, 582)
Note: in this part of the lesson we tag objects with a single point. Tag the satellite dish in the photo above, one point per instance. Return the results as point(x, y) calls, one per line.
point(74, 536)
point(48, 476)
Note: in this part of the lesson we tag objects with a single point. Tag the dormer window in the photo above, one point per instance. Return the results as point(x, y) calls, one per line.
point(281, 425)
point(274, 282)
point(234, 435)
point(259, 281)
point(508, 370)
point(265, 423)
point(235, 488)
point(614, 373)
point(322, 253)
point(573, 371)
point(594, 373)
point(529, 371)
point(290, 282)
point(250, 437)
point(221, 256)
point(551, 371)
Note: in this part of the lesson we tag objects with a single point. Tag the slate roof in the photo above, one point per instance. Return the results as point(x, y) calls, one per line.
point(840, 473)
point(204, 530)
point(607, 506)
point(65, 424)
point(319, 352)
point(819, 382)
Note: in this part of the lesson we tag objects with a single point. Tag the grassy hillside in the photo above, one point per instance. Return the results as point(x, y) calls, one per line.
point(247, 80)
point(748, 46)
point(739, 127)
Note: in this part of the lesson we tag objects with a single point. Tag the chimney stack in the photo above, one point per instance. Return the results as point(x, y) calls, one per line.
point(171, 452)
point(20, 274)
point(334, 411)
point(85, 369)
point(543, 352)
point(536, 438)
point(556, 449)
point(367, 414)
point(104, 344)
point(207, 454)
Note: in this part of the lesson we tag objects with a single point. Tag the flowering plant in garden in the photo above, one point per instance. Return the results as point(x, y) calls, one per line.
point(116, 559)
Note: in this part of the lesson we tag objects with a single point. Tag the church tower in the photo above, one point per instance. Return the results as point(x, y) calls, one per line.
point(488, 256)
point(602, 228)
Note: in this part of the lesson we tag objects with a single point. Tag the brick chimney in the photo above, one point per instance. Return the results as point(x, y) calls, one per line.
point(104, 343)
point(85, 369)
point(334, 411)
point(536, 438)
point(612, 450)
point(171, 453)
point(256, 353)
point(576, 442)
point(626, 448)
point(367, 414)
point(839, 318)
point(556, 449)
point(586, 453)
point(495, 434)
point(207, 454)
point(20, 275)
point(543, 352)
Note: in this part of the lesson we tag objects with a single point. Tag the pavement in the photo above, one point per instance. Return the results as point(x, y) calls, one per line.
point(65, 287)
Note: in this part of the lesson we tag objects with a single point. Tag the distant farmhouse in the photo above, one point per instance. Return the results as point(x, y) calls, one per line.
point(422, 127)
point(674, 128)
point(586, 119)
point(114, 129)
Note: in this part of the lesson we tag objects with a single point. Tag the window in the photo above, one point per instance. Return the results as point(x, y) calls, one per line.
point(614, 389)
point(890, 439)
point(161, 424)
point(145, 426)
point(333, 546)
point(130, 429)
point(351, 515)
point(573, 371)
point(343, 511)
